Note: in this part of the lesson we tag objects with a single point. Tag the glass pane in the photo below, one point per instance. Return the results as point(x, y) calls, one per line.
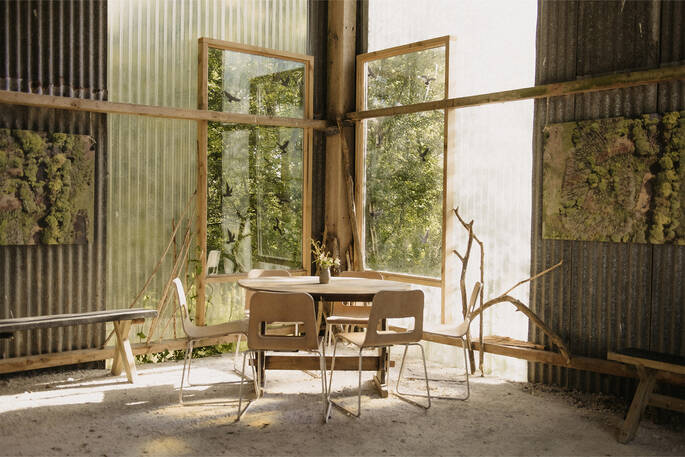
point(251, 84)
point(254, 197)
point(403, 208)
point(416, 77)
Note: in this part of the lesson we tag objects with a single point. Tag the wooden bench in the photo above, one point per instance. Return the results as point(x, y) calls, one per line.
point(122, 319)
point(648, 365)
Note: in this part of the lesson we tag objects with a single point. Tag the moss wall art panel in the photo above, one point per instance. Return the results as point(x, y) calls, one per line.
point(46, 188)
point(617, 179)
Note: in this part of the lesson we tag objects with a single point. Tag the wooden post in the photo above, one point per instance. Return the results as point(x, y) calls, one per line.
point(202, 103)
point(342, 18)
point(638, 405)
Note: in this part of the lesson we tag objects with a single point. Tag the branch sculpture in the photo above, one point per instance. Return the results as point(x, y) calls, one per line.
point(501, 298)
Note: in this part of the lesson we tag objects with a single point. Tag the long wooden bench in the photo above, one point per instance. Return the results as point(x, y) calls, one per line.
point(648, 364)
point(122, 320)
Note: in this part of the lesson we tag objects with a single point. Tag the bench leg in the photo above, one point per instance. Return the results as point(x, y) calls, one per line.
point(638, 405)
point(122, 353)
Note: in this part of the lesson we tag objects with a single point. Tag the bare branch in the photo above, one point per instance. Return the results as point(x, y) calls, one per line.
point(534, 277)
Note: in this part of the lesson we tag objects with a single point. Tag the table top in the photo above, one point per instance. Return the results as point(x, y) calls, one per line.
point(338, 289)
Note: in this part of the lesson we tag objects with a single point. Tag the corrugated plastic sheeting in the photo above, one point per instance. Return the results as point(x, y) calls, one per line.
point(55, 48)
point(493, 49)
point(608, 295)
point(153, 60)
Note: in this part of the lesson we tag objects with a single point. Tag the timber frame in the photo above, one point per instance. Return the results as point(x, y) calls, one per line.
point(360, 154)
point(558, 89)
point(203, 104)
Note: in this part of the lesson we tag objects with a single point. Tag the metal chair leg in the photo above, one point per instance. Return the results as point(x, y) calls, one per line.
point(242, 381)
point(186, 360)
point(402, 395)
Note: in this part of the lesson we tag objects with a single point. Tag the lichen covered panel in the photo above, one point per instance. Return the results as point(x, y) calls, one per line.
point(615, 179)
point(46, 187)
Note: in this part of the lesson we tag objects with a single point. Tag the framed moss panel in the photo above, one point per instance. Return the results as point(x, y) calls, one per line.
point(617, 179)
point(46, 188)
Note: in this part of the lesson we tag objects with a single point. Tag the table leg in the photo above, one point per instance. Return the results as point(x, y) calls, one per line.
point(381, 378)
point(638, 405)
point(123, 350)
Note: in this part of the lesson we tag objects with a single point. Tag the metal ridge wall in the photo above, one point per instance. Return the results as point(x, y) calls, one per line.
point(55, 48)
point(607, 296)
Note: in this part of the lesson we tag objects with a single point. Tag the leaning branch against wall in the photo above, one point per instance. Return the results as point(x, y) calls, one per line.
point(501, 298)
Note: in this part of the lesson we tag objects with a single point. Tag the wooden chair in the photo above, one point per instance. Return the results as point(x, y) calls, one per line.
point(195, 333)
point(269, 307)
point(253, 274)
point(349, 314)
point(386, 305)
point(456, 331)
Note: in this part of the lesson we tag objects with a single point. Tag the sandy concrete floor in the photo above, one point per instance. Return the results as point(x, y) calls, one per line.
point(87, 412)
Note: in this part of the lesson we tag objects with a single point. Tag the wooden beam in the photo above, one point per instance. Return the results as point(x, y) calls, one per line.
point(132, 109)
point(553, 358)
point(34, 362)
point(311, 363)
point(342, 16)
point(581, 86)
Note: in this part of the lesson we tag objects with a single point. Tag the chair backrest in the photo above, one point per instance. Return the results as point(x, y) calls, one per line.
point(354, 309)
point(389, 304)
point(472, 301)
point(268, 307)
point(260, 273)
point(213, 262)
point(185, 316)
point(361, 274)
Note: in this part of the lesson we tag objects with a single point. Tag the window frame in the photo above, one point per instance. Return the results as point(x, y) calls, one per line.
point(360, 155)
point(203, 103)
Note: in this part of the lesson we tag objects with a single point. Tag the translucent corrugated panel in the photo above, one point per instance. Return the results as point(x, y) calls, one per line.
point(493, 49)
point(152, 60)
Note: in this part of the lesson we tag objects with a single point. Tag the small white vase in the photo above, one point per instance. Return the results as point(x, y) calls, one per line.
point(324, 276)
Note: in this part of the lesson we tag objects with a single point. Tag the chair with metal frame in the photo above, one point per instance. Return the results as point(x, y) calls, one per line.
point(386, 305)
point(195, 333)
point(453, 331)
point(269, 307)
point(253, 274)
point(349, 314)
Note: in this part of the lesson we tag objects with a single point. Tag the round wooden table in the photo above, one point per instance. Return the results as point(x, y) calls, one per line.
point(338, 289)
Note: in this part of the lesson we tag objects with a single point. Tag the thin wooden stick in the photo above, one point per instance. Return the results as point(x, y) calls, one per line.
point(351, 206)
point(534, 277)
point(184, 250)
point(172, 241)
point(162, 301)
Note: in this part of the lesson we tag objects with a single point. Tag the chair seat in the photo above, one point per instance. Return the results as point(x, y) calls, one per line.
point(347, 320)
point(457, 330)
point(210, 331)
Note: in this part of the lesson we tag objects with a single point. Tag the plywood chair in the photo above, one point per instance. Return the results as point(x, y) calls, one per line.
point(253, 274)
point(195, 333)
point(353, 314)
point(455, 331)
point(269, 307)
point(386, 305)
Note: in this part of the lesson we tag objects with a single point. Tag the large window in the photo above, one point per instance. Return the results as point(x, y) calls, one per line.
point(257, 175)
point(401, 159)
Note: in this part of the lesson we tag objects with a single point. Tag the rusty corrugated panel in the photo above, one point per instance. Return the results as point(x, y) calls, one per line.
point(55, 48)
point(609, 296)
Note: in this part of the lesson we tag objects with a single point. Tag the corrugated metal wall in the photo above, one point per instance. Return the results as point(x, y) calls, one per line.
point(608, 295)
point(55, 48)
point(153, 60)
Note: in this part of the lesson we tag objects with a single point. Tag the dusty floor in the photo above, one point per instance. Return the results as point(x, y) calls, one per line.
point(87, 412)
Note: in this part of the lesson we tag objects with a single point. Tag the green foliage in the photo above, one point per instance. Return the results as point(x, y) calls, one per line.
point(47, 187)
point(404, 166)
point(255, 174)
